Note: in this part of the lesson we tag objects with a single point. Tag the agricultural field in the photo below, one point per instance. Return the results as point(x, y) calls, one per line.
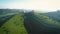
point(36, 23)
point(14, 25)
point(29, 23)
point(47, 20)
point(4, 18)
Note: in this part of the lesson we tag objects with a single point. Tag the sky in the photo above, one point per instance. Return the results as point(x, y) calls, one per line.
point(31, 4)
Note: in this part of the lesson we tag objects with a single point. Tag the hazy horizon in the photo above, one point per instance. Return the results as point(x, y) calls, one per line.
point(45, 5)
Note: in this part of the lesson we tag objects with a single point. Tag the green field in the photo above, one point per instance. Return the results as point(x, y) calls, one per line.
point(47, 20)
point(14, 26)
point(34, 22)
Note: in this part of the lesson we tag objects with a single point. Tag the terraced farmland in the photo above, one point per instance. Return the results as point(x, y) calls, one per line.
point(47, 20)
point(39, 24)
point(15, 25)
point(5, 18)
point(29, 23)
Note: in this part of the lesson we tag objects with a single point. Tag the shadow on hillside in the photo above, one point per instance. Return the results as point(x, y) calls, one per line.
point(37, 27)
point(5, 19)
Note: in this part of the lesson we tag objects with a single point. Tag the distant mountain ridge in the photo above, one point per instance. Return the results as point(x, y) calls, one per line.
point(4, 11)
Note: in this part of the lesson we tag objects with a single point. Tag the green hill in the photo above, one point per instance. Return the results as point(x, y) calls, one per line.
point(47, 20)
point(14, 26)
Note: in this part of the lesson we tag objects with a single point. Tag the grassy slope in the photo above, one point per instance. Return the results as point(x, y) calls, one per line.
point(47, 20)
point(14, 26)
